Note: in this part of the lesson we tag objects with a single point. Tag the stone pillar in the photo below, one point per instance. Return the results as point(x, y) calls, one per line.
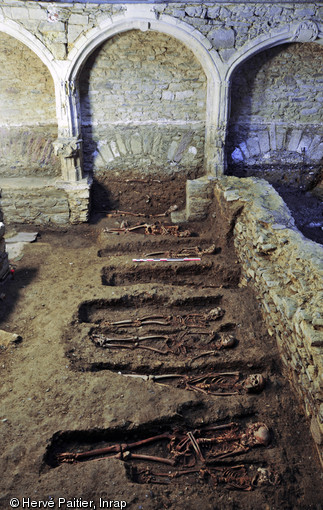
point(68, 147)
point(216, 127)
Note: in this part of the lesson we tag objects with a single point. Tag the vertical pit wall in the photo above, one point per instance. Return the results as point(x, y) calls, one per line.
point(286, 272)
point(4, 263)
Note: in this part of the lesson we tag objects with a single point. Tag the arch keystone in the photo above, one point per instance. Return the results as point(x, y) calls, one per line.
point(306, 31)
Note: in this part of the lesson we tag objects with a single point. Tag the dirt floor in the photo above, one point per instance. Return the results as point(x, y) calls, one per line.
point(176, 367)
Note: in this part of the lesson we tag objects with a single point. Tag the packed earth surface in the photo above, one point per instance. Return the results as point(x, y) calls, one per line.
point(149, 361)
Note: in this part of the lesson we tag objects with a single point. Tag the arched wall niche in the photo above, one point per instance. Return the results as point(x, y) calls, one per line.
point(192, 40)
point(28, 122)
point(275, 127)
point(143, 109)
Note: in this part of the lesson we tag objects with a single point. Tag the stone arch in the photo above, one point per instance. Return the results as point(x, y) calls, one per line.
point(21, 34)
point(28, 118)
point(305, 31)
point(290, 137)
point(144, 19)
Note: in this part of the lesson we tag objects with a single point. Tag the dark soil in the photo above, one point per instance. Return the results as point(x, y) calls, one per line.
point(63, 392)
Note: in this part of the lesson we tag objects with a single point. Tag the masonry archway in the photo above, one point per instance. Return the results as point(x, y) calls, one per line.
point(28, 111)
point(290, 136)
point(199, 45)
point(276, 116)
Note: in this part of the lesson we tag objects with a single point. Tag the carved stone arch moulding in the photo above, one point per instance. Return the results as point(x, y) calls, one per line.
point(144, 19)
point(18, 32)
point(304, 31)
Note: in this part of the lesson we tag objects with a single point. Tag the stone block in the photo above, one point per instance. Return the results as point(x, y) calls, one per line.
point(304, 143)
point(58, 50)
point(304, 12)
point(237, 155)
point(7, 339)
point(38, 14)
point(316, 431)
point(213, 12)
point(73, 32)
point(184, 94)
point(317, 154)
point(222, 38)
point(307, 112)
point(264, 142)
point(114, 149)
point(272, 135)
point(196, 209)
point(193, 11)
point(20, 13)
point(274, 10)
point(294, 140)
point(182, 146)
point(147, 142)
point(244, 149)
point(171, 151)
point(78, 19)
point(315, 142)
point(178, 13)
point(167, 95)
point(106, 153)
point(253, 146)
point(46, 27)
point(136, 145)
point(280, 137)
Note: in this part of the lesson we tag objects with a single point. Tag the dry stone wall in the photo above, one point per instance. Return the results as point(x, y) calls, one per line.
point(286, 271)
point(143, 106)
point(276, 116)
point(35, 202)
point(28, 123)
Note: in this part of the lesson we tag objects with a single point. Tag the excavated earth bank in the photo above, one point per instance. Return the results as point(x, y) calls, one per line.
point(64, 389)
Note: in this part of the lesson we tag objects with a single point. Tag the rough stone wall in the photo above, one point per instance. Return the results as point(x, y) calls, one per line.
point(286, 271)
point(143, 106)
point(60, 32)
point(28, 114)
point(38, 203)
point(276, 116)
point(228, 25)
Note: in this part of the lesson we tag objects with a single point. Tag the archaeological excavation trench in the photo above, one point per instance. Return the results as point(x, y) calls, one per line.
point(185, 330)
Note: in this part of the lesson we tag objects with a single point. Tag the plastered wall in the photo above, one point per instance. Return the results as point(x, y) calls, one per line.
point(275, 128)
point(143, 106)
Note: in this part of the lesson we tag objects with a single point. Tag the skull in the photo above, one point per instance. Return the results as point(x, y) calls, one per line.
point(254, 383)
point(215, 313)
point(228, 341)
point(261, 434)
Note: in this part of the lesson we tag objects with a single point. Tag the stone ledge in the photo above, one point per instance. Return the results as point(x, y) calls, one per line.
point(43, 201)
